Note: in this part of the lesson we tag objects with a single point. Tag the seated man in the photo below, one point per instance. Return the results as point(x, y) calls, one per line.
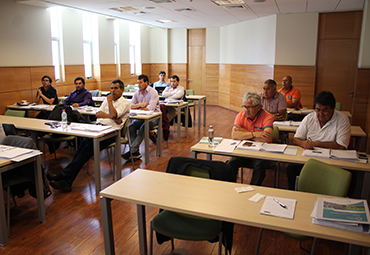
point(113, 112)
point(174, 92)
point(273, 101)
point(48, 94)
point(255, 124)
point(161, 83)
point(326, 128)
point(79, 97)
point(292, 94)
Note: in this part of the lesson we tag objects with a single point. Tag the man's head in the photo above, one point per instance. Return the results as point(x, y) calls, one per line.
point(324, 106)
point(79, 83)
point(287, 82)
point(142, 81)
point(251, 104)
point(269, 88)
point(174, 81)
point(46, 81)
point(116, 89)
point(162, 76)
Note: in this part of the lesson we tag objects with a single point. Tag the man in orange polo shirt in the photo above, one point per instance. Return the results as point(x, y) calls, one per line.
point(292, 94)
point(253, 123)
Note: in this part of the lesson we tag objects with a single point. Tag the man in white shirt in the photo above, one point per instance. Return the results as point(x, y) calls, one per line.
point(174, 92)
point(325, 128)
point(161, 83)
point(113, 112)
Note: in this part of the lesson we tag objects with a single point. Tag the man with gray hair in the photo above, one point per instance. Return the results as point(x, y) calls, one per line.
point(253, 123)
point(272, 101)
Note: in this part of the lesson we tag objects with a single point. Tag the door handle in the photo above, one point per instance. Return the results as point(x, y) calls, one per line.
point(189, 80)
point(351, 93)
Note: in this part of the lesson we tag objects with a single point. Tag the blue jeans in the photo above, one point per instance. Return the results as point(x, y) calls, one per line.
point(137, 129)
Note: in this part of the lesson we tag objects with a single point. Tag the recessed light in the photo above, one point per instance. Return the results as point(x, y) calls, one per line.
point(165, 20)
point(228, 2)
point(149, 7)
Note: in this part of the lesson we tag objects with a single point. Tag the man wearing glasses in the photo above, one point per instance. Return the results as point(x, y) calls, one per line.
point(253, 123)
point(48, 94)
point(325, 128)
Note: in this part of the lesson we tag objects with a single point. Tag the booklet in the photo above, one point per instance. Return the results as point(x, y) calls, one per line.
point(259, 146)
point(227, 145)
point(350, 155)
point(279, 207)
point(9, 152)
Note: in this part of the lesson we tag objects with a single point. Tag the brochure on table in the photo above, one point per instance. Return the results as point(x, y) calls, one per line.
point(141, 112)
point(259, 146)
point(350, 155)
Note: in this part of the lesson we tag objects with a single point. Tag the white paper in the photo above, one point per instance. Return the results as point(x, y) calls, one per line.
point(291, 151)
point(244, 189)
point(9, 152)
point(227, 145)
point(26, 156)
point(273, 147)
point(344, 154)
point(257, 197)
point(317, 152)
point(270, 207)
point(141, 112)
point(88, 127)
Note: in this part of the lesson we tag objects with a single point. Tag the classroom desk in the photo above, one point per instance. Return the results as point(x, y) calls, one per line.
point(356, 132)
point(38, 125)
point(95, 99)
point(178, 110)
point(308, 111)
point(6, 165)
point(200, 98)
point(220, 202)
point(363, 170)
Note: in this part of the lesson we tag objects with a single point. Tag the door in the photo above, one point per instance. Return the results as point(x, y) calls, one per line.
point(196, 60)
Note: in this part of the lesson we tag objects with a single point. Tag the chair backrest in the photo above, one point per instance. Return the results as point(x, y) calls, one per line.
point(124, 128)
point(321, 178)
point(338, 106)
point(15, 113)
point(196, 171)
point(189, 92)
point(126, 89)
point(275, 135)
point(95, 93)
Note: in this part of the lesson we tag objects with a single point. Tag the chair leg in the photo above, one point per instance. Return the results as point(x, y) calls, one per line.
point(87, 167)
point(242, 175)
point(313, 246)
point(172, 244)
point(220, 238)
point(55, 151)
point(129, 146)
point(44, 154)
point(151, 239)
point(8, 209)
point(259, 241)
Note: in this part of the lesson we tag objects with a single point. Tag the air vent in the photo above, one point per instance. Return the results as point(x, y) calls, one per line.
point(228, 2)
point(140, 13)
point(165, 21)
point(184, 10)
point(235, 7)
point(124, 9)
point(162, 1)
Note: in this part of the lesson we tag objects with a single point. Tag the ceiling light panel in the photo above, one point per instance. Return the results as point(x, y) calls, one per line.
point(228, 2)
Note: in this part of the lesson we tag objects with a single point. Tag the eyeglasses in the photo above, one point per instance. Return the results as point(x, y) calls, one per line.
point(248, 107)
point(326, 110)
point(45, 80)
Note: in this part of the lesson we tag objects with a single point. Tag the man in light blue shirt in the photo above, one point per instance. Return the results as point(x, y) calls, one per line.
point(161, 83)
point(147, 99)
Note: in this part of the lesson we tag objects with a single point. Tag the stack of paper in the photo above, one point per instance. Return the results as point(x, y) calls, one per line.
point(172, 101)
point(258, 146)
point(9, 152)
point(141, 112)
point(227, 145)
point(350, 155)
point(287, 123)
point(279, 207)
point(349, 214)
point(88, 127)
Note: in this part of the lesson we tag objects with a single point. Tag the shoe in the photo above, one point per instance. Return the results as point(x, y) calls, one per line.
point(54, 177)
point(153, 135)
point(136, 156)
point(126, 156)
point(62, 185)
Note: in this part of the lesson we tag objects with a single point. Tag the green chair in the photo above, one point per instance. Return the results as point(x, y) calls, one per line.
point(96, 93)
point(126, 89)
point(338, 106)
point(186, 227)
point(276, 166)
point(191, 102)
point(56, 138)
point(320, 178)
point(123, 141)
point(17, 113)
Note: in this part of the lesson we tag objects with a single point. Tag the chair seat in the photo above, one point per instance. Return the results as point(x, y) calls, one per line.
point(186, 227)
point(123, 141)
point(58, 138)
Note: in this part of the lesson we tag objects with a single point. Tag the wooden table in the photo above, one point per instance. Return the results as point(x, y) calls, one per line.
point(6, 165)
point(178, 110)
point(200, 98)
point(363, 170)
point(38, 125)
point(356, 132)
point(211, 199)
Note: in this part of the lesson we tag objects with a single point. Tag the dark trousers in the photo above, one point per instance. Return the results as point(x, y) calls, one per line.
point(83, 154)
point(292, 171)
point(259, 168)
point(137, 129)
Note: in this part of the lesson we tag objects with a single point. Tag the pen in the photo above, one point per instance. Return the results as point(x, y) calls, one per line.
point(233, 143)
point(309, 138)
point(280, 203)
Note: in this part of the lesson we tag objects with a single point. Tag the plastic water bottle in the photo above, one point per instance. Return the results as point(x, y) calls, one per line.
point(64, 119)
point(211, 136)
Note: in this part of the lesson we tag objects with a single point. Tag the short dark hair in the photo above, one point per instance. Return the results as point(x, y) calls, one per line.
point(162, 72)
point(175, 77)
point(121, 84)
point(81, 79)
point(289, 77)
point(325, 98)
point(270, 81)
point(46, 76)
point(143, 77)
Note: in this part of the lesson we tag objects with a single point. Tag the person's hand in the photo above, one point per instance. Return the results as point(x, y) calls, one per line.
point(75, 105)
point(267, 136)
point(39, 92)
point(60, 103)
point(277, 116)
point(238, 128)
point(110, 98)
point(118, 121)
point(144, 105)
point(308, 145)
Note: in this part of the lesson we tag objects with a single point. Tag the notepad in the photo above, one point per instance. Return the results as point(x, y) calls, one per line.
point(227, 145)
point(273, 208)
point(89, 127)
point(9, 152)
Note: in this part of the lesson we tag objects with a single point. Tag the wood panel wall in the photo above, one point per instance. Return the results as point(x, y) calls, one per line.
point(303, 78)
point(212, 83)
point(362, 98)
point(154, 71)
point(181, 71)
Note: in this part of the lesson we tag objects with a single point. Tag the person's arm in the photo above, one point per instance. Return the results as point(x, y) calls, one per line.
point(166, 92)
point(87, 100)
point(264, 136)
point(48, 100)
point(239, 133)
point(296, 98)
point(307, 144)
point(293, 104)
point(112, 111)
point(37, 99)
point(280, 115)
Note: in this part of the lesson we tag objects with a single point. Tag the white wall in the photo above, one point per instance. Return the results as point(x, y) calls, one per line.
point(25, 37)
point(296, 39)
point(145, 44)
point(106, 40)
point(72, 36)
point(177, 46)
point(124, 41)
point(158, 45)
point(364, 56)
point(249, 42)
point(213, 45)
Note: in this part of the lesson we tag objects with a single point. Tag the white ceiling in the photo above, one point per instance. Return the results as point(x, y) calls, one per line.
point(205, 13)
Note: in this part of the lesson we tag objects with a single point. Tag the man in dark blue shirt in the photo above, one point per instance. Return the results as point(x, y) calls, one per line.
point(79, 97)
